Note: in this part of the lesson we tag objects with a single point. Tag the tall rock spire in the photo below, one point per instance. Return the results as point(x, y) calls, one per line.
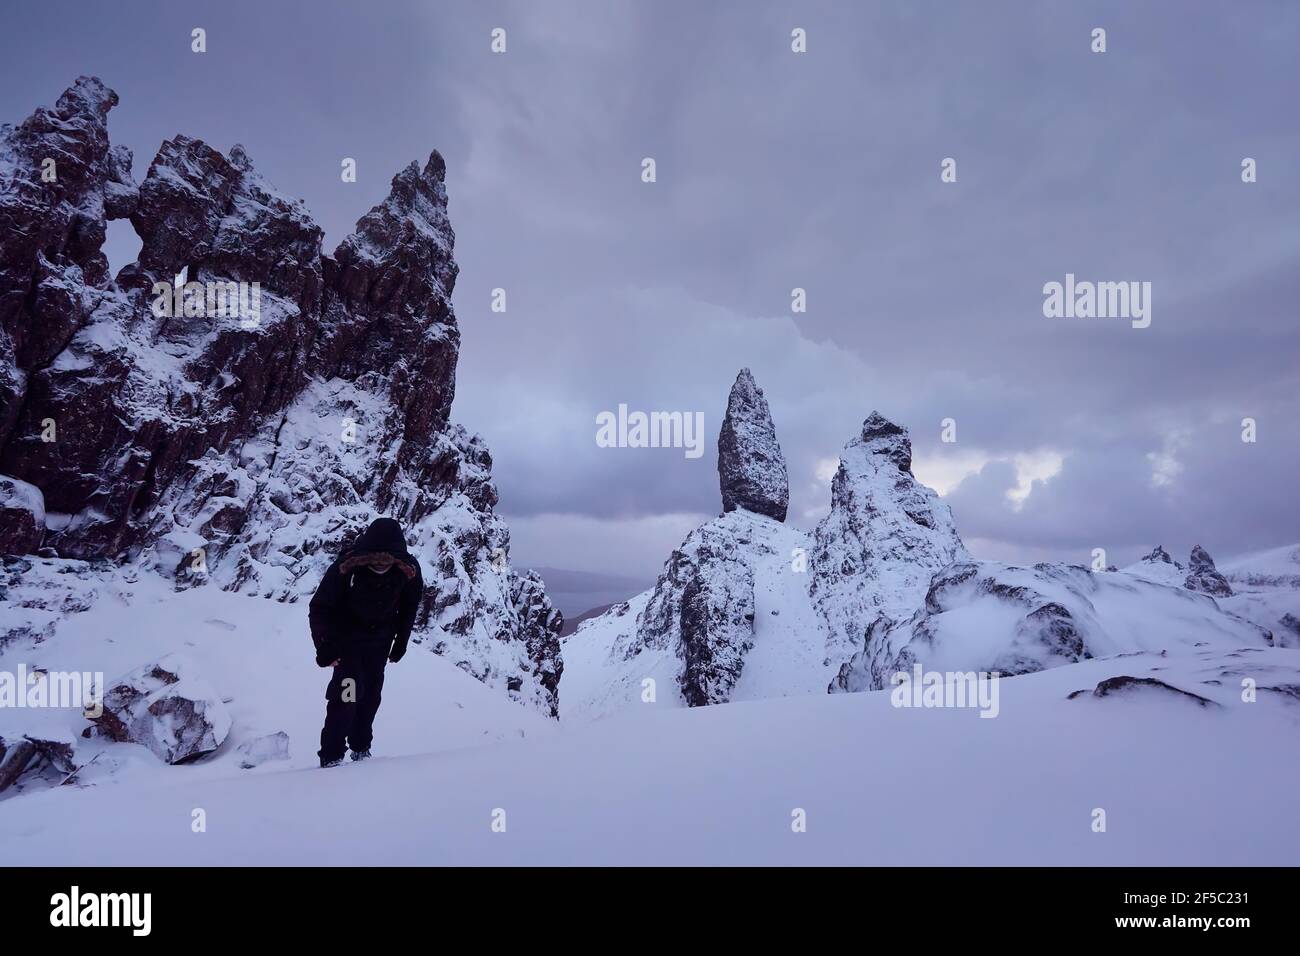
point(885, 537)
point(751, 468)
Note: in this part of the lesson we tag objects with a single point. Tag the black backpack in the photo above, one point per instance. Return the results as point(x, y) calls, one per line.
point(372, 598)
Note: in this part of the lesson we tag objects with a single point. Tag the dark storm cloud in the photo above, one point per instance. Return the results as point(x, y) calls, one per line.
point(819, 171)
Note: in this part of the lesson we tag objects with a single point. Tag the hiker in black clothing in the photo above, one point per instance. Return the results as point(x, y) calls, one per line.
point(361, 618)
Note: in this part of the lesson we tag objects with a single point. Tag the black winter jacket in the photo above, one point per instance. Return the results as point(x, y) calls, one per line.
point(357, 604)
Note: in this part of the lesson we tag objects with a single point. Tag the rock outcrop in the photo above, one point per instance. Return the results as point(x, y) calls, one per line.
point(885, 537)
point(239, 426)
point(703, 607)
point(1159, 555)
point(748, 607)
point(29, 757)
point(1204, 577)
point(751, 468)
point(22, 517)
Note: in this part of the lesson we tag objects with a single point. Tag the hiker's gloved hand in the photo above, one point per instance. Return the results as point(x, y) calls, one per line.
point(327, 659)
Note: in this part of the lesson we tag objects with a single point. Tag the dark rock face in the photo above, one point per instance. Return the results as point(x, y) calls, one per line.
point(703, 606)
point(22, 517)
point(1204, 577)
point(240, 430)
point(751, 468)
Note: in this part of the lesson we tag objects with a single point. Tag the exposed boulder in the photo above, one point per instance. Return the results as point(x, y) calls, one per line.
point(1204, 577)
point(30, 757)
point(168, 709)
point(751, 468)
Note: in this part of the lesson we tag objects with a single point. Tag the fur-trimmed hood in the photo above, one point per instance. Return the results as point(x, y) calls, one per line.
point(377, 561)
point(380, 547)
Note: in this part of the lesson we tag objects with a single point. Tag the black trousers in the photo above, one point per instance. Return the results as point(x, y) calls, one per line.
point(352, 699)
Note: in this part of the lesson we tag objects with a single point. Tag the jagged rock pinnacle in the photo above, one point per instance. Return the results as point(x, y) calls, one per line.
point(751, 468)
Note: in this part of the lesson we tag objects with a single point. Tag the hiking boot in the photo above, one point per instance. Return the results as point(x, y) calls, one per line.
point(360, 755)
point(325, 764)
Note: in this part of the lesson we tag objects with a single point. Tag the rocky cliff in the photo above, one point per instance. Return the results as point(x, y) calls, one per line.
point(235, 405)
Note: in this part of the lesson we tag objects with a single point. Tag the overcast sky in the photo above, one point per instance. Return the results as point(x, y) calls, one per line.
point(778, 170)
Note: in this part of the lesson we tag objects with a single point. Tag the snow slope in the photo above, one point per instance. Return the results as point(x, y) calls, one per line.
point(257, 655)
point(1266, 590)
point(985, 615)
point(1181, 783)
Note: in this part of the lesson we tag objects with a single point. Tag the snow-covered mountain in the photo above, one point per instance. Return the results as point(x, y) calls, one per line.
point(749, 608)
point(240, 448)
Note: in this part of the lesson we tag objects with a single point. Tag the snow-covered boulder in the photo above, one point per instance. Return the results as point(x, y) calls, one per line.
point(988, 616)
point(167, 708)
point(260, 750)
point(1204, 577)
point(885, 537)
point(22, 516)
point(751, 468)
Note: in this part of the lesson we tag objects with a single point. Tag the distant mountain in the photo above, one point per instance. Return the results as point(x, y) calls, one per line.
point(577, 593)
point(571, 624)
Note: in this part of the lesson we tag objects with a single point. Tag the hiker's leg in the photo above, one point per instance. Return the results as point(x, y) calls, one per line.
point(362, 731)
point(340, 709)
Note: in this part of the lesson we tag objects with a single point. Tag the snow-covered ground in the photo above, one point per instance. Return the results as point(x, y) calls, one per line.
point(1181, 783)
point(257, 655)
